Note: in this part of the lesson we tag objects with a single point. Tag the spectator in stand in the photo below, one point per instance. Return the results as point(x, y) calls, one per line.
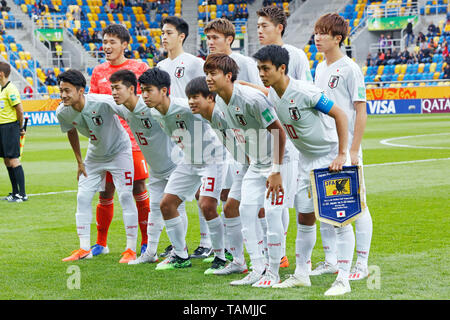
point(420, 37)
point(412, 59)
point(445, 49)
point(389, 57)
point(97, 37)
point(51, 79)
point(424, 56)
point(140, 27)
point(119, 8)
point(389, 41)
point(311, 40)
point(423, 44)
point(2, 28)
point(432, 32)
point(141, 49)
point(447, 72)
point(404, 56)
point(380, 58)
point(382, 42)
point(409, 33)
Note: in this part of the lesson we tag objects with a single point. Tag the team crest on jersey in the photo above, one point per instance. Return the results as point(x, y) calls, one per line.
point(98, 120)
point(293, 112)
point(241, 119)
point(333, 82)
point(181, 125)
point(146, 123)
point(179, 72)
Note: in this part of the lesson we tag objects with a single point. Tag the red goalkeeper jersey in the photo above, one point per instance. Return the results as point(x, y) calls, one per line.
point(100, 84)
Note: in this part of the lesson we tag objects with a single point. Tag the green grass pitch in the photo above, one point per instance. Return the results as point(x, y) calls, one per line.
point(408, 200)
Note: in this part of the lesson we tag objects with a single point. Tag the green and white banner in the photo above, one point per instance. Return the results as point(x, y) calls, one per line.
point(390, 23)
point(49, 34)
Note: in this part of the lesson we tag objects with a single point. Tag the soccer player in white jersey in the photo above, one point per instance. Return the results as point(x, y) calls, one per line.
point(202, 101)
point(182, 68)
point(109, 149)
point(220, 35)
point(342, 80)
point(298, 105)
point(248, 111)
point(272, 23)
point(157, 148)
point(201, 166)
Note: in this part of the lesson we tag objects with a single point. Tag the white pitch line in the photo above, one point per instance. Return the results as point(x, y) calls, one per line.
point(403, 162)
point(365, 166)
point(386, 141)
point(50, 193)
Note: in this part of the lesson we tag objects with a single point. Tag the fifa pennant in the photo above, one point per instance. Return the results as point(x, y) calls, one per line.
point(337, 195)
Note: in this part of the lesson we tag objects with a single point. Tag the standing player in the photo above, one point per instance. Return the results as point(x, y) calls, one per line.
point(202, 101)
point(298, 105)
point(109, 150)
point(248, 111)
point(272, 23)
point(182, 68)
point(115, 40)
point(160, 152)
point(220, 35)
point(11, 129)
point(202, 166)
point(342, 80)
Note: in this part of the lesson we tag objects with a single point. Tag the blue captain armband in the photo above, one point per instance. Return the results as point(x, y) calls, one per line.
point(324, 104)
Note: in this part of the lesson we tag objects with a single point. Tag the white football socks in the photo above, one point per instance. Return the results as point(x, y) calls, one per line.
point(304, 245)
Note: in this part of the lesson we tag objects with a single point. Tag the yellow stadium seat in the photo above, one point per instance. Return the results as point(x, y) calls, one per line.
point(2, 47)
point(30, 80)
point(311, 63)
point(436, 75)
point(377, 78)
point(403, 68)
point(244, 29)
point(56, 89)
point(400, 77)
point(50, 90)
point(380, 69)
point(433, 67)
point(22, 55)
point(421, 67)
point(24, 8)
point(103, 24)
point(4, 55)
point(308, 54)
point(18, 64)
point(56, 71)
point(364, 70)
point(422, 84)
point(13, 47)
point(120, 17)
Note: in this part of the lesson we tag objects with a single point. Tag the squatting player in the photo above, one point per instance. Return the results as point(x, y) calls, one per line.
point(115, 40)
point(109, 150)
point(161, 153)
point(201, 166)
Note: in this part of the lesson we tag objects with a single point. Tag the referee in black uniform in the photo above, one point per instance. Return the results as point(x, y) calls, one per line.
point(11, 129)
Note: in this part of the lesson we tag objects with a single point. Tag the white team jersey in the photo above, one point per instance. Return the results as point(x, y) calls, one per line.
point(161, 153)
point(191, 133)
point(182, 69)
point(298, 67)
point(343, 82)
point(249, 113)
point(229, 137)
point(248, 68)
point(301, 120)
point(98, 122)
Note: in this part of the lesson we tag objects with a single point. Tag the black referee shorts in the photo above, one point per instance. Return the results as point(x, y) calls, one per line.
point(10, 140)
